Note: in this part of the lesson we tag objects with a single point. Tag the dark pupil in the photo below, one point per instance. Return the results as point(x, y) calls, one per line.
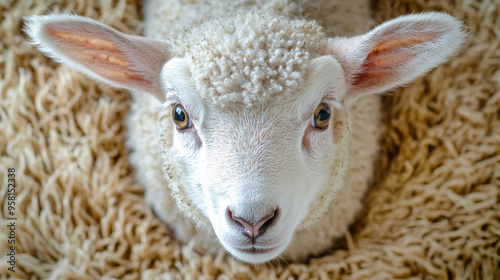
point(323, 115)
point(179, 114)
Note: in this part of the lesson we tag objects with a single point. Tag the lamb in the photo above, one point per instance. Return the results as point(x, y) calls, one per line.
point(255, 131)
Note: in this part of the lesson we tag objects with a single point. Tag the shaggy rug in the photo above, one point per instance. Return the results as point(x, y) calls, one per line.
point(433, 212)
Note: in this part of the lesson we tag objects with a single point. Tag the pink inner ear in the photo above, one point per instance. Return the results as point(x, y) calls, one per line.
point(100, 55)
point(384, 63)
point(398, 43)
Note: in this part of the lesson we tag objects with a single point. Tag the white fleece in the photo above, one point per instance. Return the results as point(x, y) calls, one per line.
point(330, 219)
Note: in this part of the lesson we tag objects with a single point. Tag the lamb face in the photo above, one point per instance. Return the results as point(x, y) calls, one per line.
point(252, 159)
point(254, 125)
point(257, 171)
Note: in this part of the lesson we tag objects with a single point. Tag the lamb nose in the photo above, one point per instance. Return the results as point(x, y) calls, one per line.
point(256, 229)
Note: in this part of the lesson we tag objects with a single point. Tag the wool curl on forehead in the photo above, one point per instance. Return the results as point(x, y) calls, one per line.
point(250, 58)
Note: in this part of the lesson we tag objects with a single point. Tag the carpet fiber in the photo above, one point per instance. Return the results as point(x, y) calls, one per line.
point(433, 213)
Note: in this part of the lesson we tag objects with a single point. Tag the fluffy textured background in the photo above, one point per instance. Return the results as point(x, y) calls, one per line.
point(434, 211)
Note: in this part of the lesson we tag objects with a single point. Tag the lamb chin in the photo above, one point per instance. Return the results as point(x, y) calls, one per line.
point(256, 255)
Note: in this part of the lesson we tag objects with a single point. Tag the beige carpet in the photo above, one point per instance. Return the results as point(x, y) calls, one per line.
point(434, 212)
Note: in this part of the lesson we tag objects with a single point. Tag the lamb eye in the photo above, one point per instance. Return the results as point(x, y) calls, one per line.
point(181, 117)
point(321, 116)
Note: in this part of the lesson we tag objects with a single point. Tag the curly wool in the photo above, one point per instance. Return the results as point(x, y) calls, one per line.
point(250, 57)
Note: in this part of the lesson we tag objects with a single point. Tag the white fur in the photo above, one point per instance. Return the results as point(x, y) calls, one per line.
point(251, 148)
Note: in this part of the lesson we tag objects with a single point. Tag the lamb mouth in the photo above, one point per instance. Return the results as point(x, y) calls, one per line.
point(256, 251)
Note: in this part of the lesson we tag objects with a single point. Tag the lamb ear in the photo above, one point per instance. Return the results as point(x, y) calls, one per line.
point(397, 51)
point(123, 61)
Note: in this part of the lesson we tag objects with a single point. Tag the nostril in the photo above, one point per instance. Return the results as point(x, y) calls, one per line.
point(269, 222)
point(254, 229)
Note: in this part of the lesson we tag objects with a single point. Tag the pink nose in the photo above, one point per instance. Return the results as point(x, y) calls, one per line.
point(256, 229)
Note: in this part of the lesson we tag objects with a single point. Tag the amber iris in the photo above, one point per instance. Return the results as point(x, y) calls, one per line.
point(321, 116)
point(181, 117)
